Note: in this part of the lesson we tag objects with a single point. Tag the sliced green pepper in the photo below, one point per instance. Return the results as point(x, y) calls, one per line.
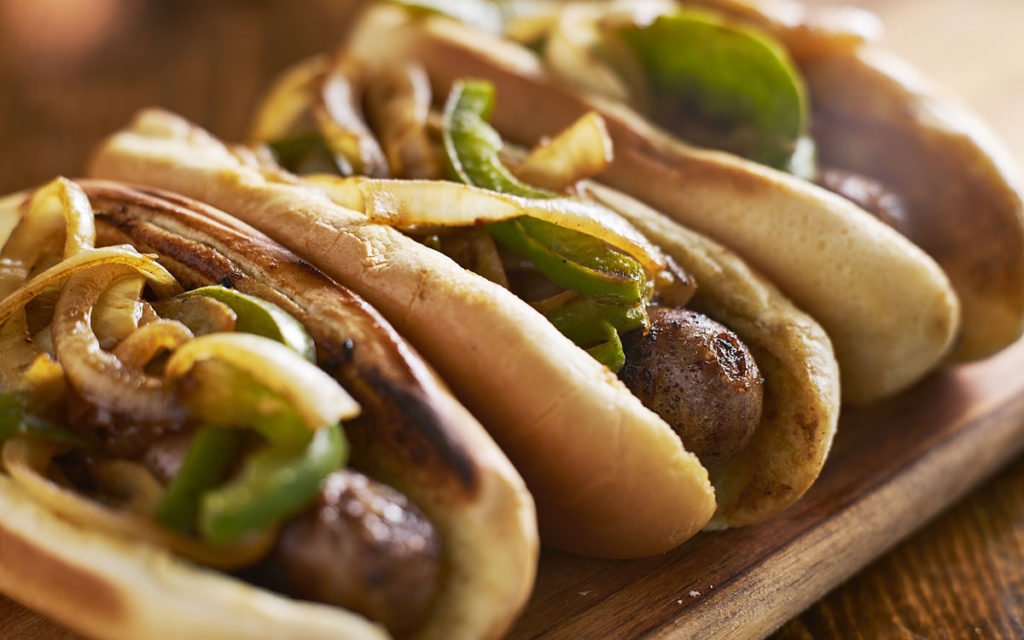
point(471, 145)
point(17, 420)
point(262, 318)
point(274, 483)
point(722, 85)
point(569, 258)
point(609, 351)
point(208, 459)
point(587, 267)
point(583, 312)
point(221, 394)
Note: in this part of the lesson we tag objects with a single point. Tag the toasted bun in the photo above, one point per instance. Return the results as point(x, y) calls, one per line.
point(413, 435)
point(619, 470)
point(609, 477)
point(961, 187)
point(888, 308)
point(108, 587)
point(877, 116)
point(801, 377)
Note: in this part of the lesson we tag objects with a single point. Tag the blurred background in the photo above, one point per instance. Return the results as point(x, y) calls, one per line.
point(72, 71)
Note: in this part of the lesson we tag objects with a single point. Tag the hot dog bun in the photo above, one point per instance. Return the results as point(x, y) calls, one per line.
point(888, 308)
point(413, 436)
point(610, 478)
point(876, 115)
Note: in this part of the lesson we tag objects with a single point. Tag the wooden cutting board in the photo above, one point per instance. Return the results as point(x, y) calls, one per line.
point(893, 466)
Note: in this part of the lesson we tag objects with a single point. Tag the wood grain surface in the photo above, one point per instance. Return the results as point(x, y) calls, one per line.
point(73, 70)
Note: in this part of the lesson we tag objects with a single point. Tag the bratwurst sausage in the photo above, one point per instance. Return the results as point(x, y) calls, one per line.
point(699, 377)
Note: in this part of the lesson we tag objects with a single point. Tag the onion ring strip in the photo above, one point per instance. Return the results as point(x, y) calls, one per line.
point(17, 351)
point(141, 345)
point(26, 462)
point(159, 278)
point(97, 375)
point(59, 203)
point(406, 203)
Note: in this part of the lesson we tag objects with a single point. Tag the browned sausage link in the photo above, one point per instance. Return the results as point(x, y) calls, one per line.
point(699, 377)
point(363, 546)
point(868, 194)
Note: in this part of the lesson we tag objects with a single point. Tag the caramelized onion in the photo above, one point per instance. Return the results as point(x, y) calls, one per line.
point(17, 351)
point(339, 118)
point(582, 150)
point(136, 489)
point(407, 203)
point(59, 208)
point(98, 376)
point(27, 462)
point(288, 100)
point(159, 278)
point(142, 345)
point(397, 106)
point(118, 311)
point(569, 54)
point(201, 314)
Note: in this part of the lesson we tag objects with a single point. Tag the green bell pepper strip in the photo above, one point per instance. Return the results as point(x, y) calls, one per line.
point(575, 316)
point(17, 420)
point(208, 459)
point(471, 145)
point(224, 395)
point(587, 267)
point(569, 258)
point(722, 85)
point(260, 317)
point(572, 259)
point(273, 484)
point(609, 350)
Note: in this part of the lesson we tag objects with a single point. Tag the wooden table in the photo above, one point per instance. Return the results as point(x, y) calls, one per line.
point(963, 575)
point(71, 71)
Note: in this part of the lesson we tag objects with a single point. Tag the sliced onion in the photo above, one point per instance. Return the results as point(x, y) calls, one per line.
point(288, 100)
point(314, 395)
point(141, 346)
point(339, 118)
point(582, 150)
point(98, 376)
point(406, 203)
point(58, 208)
point(44, 379)
point(136, 488)
point(201, 314)
point(10, 213)
point(159, 278)
point(118, 311)
point(27, 461)
point(17, 351)
point(43, 340)
point(569, 53)
point(398, 106)
point(585, 51)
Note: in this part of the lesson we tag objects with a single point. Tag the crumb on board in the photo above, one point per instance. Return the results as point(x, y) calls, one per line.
point(694, 594)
